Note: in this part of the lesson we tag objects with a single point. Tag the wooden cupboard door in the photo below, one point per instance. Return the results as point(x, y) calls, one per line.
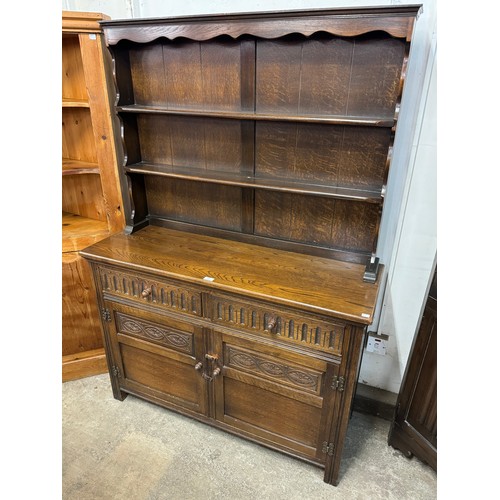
point(156, 357)
point(274, 395)
point(414, 427)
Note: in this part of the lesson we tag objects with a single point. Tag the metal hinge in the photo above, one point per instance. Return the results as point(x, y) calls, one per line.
point(106, 315)
point(338, 383)
point(115, 371)
point(328, 448)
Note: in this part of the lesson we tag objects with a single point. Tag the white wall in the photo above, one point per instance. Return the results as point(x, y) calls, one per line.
point(407, 242)
point(414, 248)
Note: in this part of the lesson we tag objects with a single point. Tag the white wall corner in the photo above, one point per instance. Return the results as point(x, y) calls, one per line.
point(414, 248)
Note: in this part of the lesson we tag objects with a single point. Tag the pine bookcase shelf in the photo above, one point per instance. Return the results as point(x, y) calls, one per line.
point(79, 232)
point(91, 193)
point(75, 103)
point(76, 167)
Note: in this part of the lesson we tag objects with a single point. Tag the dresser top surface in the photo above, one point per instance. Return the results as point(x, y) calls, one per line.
point(316, 284)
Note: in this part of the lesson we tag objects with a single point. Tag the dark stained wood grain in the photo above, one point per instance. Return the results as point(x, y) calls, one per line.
point(414, 425)
point(277, 115)
point(369, 194)
point(303, 76)
point(398, 22)
point(314, 283)
point(377, 62)
point(340, 224)
point(191, 142)
point(331, 76)
point(342, 156)
point(153, 367)
point(187, 74)
point(199, 203)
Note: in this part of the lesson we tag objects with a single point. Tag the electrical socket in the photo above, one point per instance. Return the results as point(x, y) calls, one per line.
point(377, 343)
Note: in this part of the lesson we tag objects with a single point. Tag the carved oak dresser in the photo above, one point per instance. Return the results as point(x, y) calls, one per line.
point(254, 151)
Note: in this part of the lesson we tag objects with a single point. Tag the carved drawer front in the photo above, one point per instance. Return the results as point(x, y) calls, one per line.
point(169, 336)
point(274, 322)
point(162, 293)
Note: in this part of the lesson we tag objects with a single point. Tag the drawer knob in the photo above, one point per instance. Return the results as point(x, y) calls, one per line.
point(216, 372)
point(146, 292)
point(271, 323)
point(198, 366)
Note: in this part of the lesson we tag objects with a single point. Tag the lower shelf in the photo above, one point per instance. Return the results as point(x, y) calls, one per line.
point(85, 364)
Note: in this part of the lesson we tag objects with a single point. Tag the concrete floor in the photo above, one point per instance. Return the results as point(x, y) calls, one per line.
point(134, 450)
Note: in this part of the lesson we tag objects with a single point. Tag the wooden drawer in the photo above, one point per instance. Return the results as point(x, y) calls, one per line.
point(272, 321)
point(165, 294)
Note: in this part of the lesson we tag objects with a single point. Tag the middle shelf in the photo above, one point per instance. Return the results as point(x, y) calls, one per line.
point(367, 121)
point(370, 195)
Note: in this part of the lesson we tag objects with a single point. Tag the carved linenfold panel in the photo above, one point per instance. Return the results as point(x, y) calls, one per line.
point(261, 366)
point(287, 326)
point(180, 341)
point(163, 294)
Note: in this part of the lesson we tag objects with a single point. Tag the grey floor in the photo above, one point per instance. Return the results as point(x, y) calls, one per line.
point(134, 450)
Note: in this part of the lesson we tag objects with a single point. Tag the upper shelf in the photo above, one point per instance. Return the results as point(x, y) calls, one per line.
point(247, 115)
point(366, 194)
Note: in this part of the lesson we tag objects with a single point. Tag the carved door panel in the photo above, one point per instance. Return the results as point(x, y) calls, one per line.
point(157, 356)
point(275, 395)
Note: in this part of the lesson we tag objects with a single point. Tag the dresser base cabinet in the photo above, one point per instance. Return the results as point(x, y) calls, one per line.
point(259, 365)
point(254, 152)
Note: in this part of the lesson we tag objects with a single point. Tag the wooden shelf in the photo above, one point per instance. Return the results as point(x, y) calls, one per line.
point(246, 115)
point(78, 167)
point(79, 232)
point(372, 195)
point(75, 103)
